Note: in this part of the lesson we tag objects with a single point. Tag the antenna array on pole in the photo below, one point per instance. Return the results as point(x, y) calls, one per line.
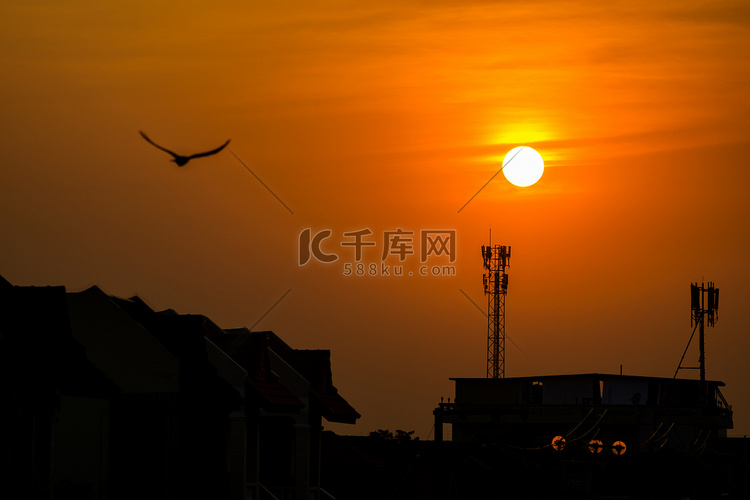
point(704, 305)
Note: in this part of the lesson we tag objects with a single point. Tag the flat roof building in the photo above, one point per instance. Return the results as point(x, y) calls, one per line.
point(639, 413)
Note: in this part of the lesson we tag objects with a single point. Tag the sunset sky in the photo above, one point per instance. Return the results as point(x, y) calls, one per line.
point(383, 116)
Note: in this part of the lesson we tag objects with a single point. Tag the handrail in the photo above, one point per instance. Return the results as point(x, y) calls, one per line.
point(721, 402)
point(267, 491)
point(327, 495)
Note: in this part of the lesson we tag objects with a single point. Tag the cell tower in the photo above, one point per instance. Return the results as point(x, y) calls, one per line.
point(704, 305)
point(496, 259)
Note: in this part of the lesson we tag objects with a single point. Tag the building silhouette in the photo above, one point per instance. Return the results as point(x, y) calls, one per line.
point(595, 436)
point(643, 413)
point(105, 398)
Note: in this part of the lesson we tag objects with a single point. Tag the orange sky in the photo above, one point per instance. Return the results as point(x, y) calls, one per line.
point(383, 116)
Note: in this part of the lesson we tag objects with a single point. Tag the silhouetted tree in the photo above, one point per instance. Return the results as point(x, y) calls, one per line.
point(386, 435)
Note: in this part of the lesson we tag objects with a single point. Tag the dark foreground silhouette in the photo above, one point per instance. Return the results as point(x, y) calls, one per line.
point(182, 160)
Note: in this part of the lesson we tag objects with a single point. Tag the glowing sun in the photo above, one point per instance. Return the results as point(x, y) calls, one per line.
point(523, 166)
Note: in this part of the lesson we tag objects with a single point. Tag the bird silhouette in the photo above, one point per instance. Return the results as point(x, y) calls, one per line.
point(182, 160)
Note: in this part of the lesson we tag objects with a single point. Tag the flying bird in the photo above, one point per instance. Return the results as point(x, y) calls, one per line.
point(182, 160)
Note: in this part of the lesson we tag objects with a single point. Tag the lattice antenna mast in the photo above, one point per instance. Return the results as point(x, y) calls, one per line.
point(496, 260)
point(704, 307)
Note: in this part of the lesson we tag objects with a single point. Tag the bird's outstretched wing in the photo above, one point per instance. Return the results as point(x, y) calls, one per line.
point(208, 153)
point(157, 146)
